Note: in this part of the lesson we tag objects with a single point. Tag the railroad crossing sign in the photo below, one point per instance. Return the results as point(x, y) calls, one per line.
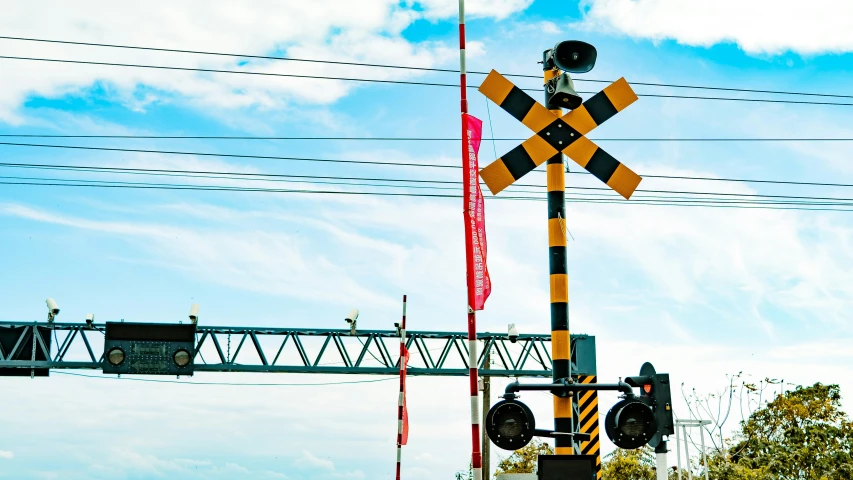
point(554, 134)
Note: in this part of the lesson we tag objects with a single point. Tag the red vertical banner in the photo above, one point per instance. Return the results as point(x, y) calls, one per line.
point(404, 359)
point(479, 286)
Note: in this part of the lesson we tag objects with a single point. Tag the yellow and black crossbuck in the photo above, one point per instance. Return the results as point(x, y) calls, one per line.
point(555, 134)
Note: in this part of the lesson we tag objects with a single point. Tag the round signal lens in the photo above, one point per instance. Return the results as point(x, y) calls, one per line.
point(510, 424)
point(630, 423)
point(181, 358)
point(115, 356)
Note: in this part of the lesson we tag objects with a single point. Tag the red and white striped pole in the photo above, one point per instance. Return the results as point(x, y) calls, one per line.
point(402, 398)
point(476, 459)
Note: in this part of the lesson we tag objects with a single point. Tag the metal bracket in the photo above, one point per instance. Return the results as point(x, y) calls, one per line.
point(565, 386)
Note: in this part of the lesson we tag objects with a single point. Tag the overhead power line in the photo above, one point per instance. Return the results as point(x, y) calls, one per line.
point(405, 164)
point(229, 155)
point(406, 67)
point(773, 205)
point(398, 82)
point(396, 182)
point(412, 139)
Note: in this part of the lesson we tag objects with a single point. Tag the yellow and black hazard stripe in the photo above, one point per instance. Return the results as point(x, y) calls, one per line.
point(554, 134)
point(588, 421)
point(559, 289)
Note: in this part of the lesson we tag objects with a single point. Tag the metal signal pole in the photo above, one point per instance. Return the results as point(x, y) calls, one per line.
point(487, 401)
point(559, 288)
point(660, 459)
point(401, 399)
point(472, 316)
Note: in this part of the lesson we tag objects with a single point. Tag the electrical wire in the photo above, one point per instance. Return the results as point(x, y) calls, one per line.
point(339, 180)
point(774, 205)
point(745, 198)
point(225, 384)
point(410, 139)
point(405, 67)
point(402, 164)
point(397, 82)
point(227, 155)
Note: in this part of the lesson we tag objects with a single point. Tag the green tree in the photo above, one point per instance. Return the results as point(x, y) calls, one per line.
point(636, 464)
point(524, 459)
point(466, 474)
point(722, 468)
point(801, 435)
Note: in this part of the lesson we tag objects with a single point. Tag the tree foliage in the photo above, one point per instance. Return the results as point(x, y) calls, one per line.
point(801, 435)
point(524, 460)
point(636, 464)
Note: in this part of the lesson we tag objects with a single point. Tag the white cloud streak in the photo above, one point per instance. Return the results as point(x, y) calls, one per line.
point(758, 26)
point(332, 29)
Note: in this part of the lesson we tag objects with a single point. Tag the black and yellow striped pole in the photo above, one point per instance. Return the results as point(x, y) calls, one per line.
point(559, 289)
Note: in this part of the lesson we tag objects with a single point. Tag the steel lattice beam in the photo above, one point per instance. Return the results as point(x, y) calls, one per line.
point(297, 350)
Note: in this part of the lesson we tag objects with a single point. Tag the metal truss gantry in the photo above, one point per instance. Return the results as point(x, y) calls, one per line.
point(296, 350)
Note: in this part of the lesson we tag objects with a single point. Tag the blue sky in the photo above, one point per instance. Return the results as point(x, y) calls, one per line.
point(700, 292)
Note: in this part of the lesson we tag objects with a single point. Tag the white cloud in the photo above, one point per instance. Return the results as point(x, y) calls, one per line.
point(333, 29)
point(7, 454)
point(663, 258)
point(754, 261)
point(308, 459)
point(756, 26)
point(498, 9)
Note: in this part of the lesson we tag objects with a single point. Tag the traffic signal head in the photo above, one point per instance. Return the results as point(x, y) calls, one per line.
point(574, 56)
point(630, 423)
point(510, 424)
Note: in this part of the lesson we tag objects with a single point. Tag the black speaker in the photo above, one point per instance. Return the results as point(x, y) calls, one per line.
point(560, 93)
point(574, 56)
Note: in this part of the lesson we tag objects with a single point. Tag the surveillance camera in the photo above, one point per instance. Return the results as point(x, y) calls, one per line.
point(90, 319)
point(351, 319)
point(512, 333)
point(194, 313)
point(52, 309)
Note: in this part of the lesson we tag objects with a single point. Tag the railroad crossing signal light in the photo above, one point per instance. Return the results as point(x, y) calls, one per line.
point(656, 390)
point(149, 348)
point(510, 424)
point(656, 396)
point(630, 423)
